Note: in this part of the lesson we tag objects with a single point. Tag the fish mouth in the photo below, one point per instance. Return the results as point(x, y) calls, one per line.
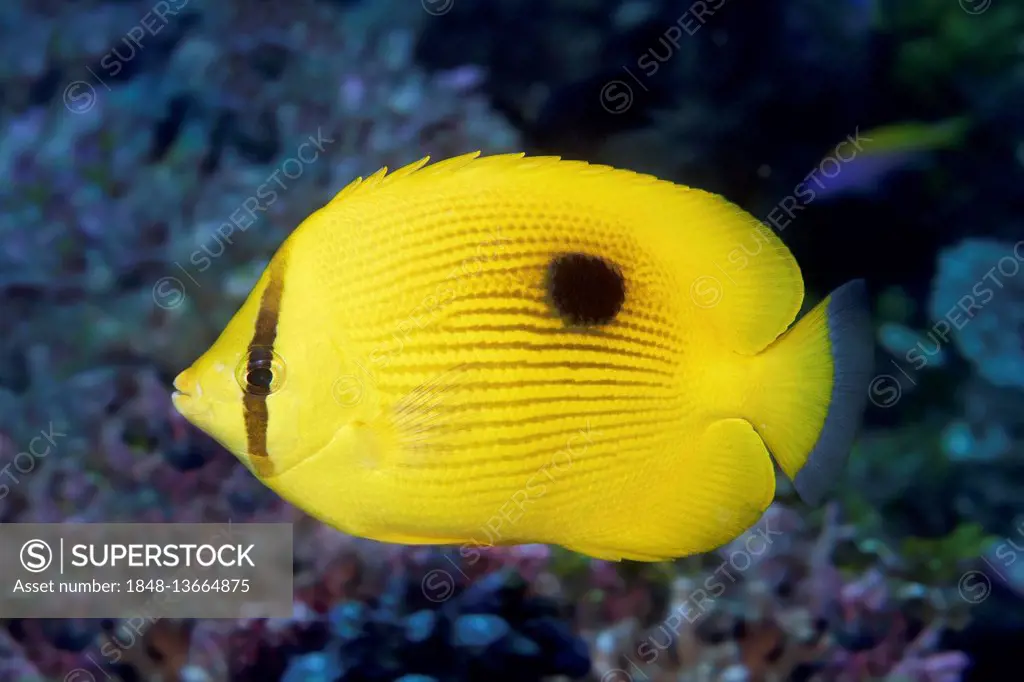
point(181, 383)
point(190, 406)
point(181, 398)
point(188, 398)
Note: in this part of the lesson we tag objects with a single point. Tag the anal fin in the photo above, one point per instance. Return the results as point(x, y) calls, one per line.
point(739, 487)
point(399, 538)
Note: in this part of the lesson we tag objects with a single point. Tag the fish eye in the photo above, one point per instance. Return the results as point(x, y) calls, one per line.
point(260, 379)
point(261, 372)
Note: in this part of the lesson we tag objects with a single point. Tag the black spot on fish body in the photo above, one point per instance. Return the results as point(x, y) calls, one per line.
point(585, 290)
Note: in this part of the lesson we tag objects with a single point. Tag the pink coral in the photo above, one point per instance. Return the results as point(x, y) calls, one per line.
point(787, 608)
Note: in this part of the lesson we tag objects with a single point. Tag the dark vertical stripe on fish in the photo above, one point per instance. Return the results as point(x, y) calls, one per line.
point(261, 354)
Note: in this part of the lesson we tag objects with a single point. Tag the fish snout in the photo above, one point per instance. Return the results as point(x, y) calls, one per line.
point(187, 392)
point(185, 382)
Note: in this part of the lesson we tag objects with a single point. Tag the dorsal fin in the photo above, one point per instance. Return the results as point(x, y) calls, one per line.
point(473, 161)
point(382, 177)
point(470, 161)
point(379, 178)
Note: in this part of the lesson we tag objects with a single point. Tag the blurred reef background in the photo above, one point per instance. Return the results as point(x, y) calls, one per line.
point(154, 154)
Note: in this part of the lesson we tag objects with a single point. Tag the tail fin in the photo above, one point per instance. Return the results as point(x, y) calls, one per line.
point(814, 390)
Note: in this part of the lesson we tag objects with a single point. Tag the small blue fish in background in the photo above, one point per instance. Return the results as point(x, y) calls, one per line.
point(889, 148)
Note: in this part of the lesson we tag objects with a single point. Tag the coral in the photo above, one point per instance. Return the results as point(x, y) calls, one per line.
point(776, 606)
point(977, 298)
point(990, 432)
point(420, 619)
point(943, 560)
point(490, 629)
point(773, 603)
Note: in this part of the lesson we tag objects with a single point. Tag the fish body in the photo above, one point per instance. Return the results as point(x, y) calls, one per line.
point(505, 350)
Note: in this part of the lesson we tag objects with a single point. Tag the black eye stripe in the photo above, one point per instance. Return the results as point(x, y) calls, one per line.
point(261, 353)
point(259, 371)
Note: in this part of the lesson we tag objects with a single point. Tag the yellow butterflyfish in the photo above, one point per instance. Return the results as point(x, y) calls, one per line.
point(509, 350)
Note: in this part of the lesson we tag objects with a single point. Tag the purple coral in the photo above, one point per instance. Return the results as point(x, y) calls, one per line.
point(790, 613)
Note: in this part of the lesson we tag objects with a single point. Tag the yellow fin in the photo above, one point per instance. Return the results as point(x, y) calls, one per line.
point(348, 190)
point(744, 282)
point(604, 554)
point(719, 492)
point(813, 390)
point(379, 178)
point(406, 431)
point(473, 161)
point(404, 539)
point(406, 170)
